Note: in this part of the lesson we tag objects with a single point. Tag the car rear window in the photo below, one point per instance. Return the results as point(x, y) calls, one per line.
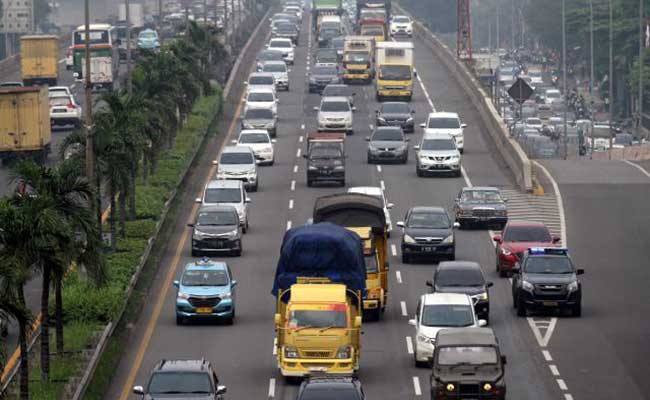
point(261, 80)
point(237, 158)
point(179, 382)
point(443, 123)
point(459, 277)
point(527, 234)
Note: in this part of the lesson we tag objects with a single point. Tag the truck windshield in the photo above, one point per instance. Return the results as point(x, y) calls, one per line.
point(325, 152)
point(372, 31)
point(447, 315)
point(395, 72)
point(476, 355)
point(335, 317)
point(356, 57)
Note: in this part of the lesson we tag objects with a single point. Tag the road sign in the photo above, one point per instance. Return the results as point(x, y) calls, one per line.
point(520, 91)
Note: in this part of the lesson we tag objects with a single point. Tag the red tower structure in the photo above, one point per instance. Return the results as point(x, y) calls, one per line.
point(464, 33)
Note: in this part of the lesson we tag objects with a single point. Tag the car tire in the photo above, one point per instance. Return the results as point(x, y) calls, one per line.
point(374, 315)
point(270, 164)
point(179, 320)
point(405, 160)
point(459, 173)
point(342, 183)
point(419, 172)
point(406, 259)
point(521, 308)
point(452, 257)
point(195, 253)
point(419, 364)
point(237, 253)
point(576, 311)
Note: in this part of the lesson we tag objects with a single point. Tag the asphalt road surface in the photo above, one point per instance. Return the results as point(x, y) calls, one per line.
point(243, 352)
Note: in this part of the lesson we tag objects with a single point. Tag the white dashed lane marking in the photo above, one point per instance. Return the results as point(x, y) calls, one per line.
point(416, 386)
point(402, 305)
point(288, 225)
point(398, 276)
point(393, 250)
point(409, 345)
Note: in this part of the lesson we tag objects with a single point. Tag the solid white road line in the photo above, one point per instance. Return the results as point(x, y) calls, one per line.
point(295, 169)
point(291, 204)
point(468, 182)
point(637, 166)
point(409, 345)
point(547, 355)
point(393, 250)
point(560, 203)
point(371, 126)
point(402, 305)
point(271, 388)
point(416, 386)
point(293, 186)
point(562, 384)
point(288, 225)
point(398, 276)
point(554, 369)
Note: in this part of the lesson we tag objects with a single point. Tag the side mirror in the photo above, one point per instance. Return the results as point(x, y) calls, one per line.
point(138, 390)
point(316, 108)
point(245, 82)
point(416, 147)
point(354, 109)
point(233, 141)
point(415, 73)
point(215, 162)
point(515, 268)
point(429, 284)
point(176, 283)
point(407, 139)
point(489, 284)
point(221, 390)
point(497, 238)
point(423, 125)
point(357, 322)
point(482, 323)
point(190, 225)
point(556, 239)
point(198, 200)
point(390, 205)
point(580, 271)
point(354, 94)
point(274, 141)
point(456, 225)
point(412, 111)
point(277, 319)
point(463, 126)
point(413, 322)
point(367, 138)
point(247, 200)
point(233, 283)
point(305, 156)
point(400, 224)
point(277, 100)
point(504, 360)
point(76, 75)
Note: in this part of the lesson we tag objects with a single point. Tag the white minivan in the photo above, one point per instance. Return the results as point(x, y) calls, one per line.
point(446, 123)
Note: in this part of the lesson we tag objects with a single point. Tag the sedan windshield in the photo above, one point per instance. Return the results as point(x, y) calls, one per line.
point(428, 221)
point(217, 218)
point(335, 106)
point(258, 113)
point(403, 20)
point(180, 382)
point(222, 195)
point(275, 67)
point(322, 70)
point(391, 135)
point(473, 355)
point(481, 196)
point(527, 234)
point(438, 144)
point(261, 80)
point(266, 97)
point(237, 158)
point(443, 123)
point(447, 315)
point(395, 108)
point(254, 138)
point(336, 90)
point(269, 55)
point(330, 316)
point(548, 265)
point(280, 44)
point(448, 277)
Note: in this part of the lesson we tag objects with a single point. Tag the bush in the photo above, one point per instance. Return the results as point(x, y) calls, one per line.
point(83, 302)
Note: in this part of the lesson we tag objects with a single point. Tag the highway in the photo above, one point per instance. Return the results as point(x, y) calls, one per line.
point(243, 353)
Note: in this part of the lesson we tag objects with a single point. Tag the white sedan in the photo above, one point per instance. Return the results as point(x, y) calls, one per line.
point(260, 142)
point(261, 98)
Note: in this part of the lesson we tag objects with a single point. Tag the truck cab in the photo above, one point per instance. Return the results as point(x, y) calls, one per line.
point(364, 215)
point(358, 59)
point(319, 283)
point(395, 70)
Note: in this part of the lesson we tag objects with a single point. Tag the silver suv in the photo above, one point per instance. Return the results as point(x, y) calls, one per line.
point(437, 153)
point(227, 193)
point(335, 114)
point(238, 163)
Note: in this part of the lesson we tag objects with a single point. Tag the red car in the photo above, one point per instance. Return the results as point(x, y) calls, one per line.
point(517, 237)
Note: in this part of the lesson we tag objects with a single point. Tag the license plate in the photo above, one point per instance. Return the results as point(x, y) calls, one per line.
point(204, 310)
point(428, 249)
point(550, 303)
point(318, 369)
point(386, 154)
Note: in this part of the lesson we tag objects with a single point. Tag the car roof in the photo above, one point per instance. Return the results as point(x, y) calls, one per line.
point(459, 265)
point(466, 337)
point(237, 149)
point(446, 298)
point(254, 132)
point(369, 190)
point(274, 62)
point(443, 114)
point(217, 208)
point(335, 98)
point(277, 39)
point(182, 365)
point(522, 222)
point(267, 74)
point(224, 184)
point(437, 136)
point(428, 209)
point(262, 90)
point(206, 264)
point(471, 188)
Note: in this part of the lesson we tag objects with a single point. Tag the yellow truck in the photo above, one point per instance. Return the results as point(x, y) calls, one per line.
point(363, 215)
point(39, 59)
point(24, 122)
point(395, 70)
point(319, 285)
point(358, 59)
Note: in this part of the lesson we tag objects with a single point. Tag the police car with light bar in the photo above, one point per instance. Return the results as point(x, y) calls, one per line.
point(546, 279)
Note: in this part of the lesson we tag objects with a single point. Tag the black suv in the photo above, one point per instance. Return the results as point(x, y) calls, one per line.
point(339, 388)
point(467, 364)
point(182, 379)
point(325, 163)
point(427, 232)
point(545, 278)
point(463, 277)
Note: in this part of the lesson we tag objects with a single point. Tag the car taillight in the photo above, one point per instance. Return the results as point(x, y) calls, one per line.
point(72, 106)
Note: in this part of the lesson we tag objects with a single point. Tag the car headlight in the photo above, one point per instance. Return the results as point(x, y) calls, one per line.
point(183, 296)
point(339, 167)
point(409, 120)
point(344, 352)
point(408, 239)
point(312, 168)
point(423, 338)
point(450, 387)
point(527, 286)
point(402, 147)
point(227, 295)
point(454, 158)
point(449, 239)
point(505, 252)
point(200, 235)
point(573, 286)
point(482, 296)
point(381, 119)
point(290, 352)
point(487, 387)
point(233, 234)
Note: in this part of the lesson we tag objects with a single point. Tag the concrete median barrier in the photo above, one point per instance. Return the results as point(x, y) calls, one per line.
point(509, 149)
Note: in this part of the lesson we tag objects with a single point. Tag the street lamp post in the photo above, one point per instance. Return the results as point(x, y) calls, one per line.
point(591, 69)
point(564, 86)
point(611, 77)
point(88, 117)
point(640, 106)
point(129, 86)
